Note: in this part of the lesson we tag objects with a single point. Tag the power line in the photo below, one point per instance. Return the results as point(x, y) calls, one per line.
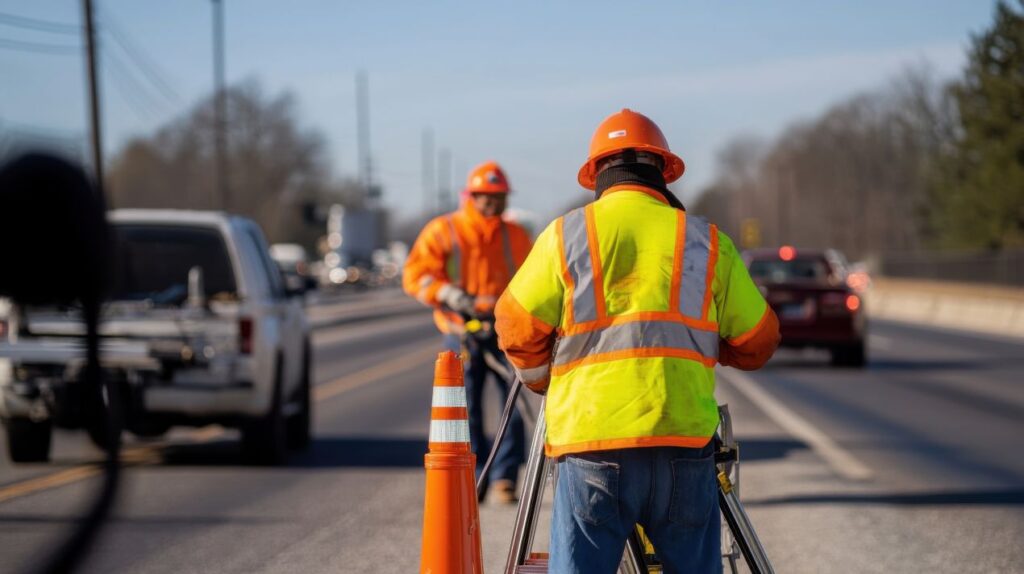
point(139, 57)
point(142, 60)
point(130, 88)
point(40, 25)
point(39, 47)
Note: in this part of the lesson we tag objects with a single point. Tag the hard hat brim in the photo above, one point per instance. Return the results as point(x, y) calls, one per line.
point(491, 190)
point(674, 165)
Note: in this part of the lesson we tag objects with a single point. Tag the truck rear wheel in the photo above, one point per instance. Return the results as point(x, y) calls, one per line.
point(265, 439)
point(300, 424)
point(28, 440)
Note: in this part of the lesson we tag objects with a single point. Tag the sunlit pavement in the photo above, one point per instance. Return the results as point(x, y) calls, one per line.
point(935, 420)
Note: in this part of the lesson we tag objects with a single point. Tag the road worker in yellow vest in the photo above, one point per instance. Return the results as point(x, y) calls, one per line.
point(619, 315)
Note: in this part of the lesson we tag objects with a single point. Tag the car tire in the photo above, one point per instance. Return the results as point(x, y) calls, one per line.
point(852, 355)
point(300, 424)
point(28, 440)
point(264, 439)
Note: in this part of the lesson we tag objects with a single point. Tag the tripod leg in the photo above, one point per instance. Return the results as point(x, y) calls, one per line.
point(633, 561)
point(530, 501)
point(742, 529)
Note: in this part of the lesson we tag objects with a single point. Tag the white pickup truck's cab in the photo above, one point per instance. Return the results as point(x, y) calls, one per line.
point(198, 328)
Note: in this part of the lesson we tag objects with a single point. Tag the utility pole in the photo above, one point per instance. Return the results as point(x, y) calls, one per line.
point(220, 106)
point(94, 97)
point(444, 178)
point(363, 135)
point(429, 181)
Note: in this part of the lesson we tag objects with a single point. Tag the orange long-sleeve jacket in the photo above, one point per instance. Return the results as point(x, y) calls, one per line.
point(475, 253)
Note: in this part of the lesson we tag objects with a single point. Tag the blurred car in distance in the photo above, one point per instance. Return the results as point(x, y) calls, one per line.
point(808, 290)
point(293, 261)
point(199, 328)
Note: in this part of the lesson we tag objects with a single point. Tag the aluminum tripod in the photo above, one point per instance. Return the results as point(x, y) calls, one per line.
point(740, 538)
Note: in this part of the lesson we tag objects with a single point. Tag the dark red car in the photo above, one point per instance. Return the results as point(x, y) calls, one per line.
point(809, 292)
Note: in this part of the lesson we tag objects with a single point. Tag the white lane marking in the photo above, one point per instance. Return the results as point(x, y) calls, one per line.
point(841, 461)
point(880, 342)
point(324, 336)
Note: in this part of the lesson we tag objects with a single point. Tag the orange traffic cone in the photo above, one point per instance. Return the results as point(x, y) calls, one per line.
point(451, 519)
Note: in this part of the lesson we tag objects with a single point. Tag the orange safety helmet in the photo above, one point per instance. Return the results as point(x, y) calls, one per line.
point(628, 130)
point(487, 177)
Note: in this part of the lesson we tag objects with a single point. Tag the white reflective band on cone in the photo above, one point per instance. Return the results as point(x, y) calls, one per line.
point(449, 431)
point(449, 397)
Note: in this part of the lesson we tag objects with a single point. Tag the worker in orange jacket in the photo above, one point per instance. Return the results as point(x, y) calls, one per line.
point(460, 264)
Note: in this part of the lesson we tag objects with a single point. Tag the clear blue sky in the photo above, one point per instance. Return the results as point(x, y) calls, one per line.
point(524, 83)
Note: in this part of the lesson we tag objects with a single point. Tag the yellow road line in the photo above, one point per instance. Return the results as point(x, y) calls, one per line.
point(206, 434)
point(151, 454)
point(49, 481)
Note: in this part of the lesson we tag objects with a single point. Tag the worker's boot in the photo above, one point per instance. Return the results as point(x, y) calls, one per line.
point(505, 492)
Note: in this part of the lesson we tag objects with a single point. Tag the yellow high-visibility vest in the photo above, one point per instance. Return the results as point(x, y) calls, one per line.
point(641, 295)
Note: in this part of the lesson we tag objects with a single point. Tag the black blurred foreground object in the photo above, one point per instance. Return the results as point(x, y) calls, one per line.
point(54, 251)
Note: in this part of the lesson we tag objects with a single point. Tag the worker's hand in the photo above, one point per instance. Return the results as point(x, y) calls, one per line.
point(457, 300)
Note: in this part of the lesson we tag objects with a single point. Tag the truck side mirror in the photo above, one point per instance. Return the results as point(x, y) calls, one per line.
point(294, 285)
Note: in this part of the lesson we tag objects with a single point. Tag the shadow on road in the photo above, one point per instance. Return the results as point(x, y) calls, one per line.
point(997, 497)
point(362, 452)
point(767, 449)
point(324, 452)
point(27, 519)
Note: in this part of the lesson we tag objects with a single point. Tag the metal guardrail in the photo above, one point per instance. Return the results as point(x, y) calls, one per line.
point(1000, 268)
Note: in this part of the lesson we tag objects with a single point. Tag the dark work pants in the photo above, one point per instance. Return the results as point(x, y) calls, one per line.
point(512, 451)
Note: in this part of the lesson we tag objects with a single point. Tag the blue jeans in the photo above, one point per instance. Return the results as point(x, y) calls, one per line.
point(512, 451)
point(669, 491)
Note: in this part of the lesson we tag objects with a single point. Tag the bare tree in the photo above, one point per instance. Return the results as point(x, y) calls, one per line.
point(277, 168)
point(855, 178)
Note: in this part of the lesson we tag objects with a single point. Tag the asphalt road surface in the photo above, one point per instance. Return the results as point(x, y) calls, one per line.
point(914, 464)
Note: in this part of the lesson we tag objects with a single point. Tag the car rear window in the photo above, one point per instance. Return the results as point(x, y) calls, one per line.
point(152, 263)
point(781, 271)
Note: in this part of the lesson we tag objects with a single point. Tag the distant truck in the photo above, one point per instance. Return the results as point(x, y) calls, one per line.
point(199, 328)
point(353, 235)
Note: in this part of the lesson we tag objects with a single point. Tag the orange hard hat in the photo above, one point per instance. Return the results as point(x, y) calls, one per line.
point(628, 130)
point(487, 177)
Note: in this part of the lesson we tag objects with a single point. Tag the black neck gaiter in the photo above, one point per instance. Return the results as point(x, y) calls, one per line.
point(639, 173)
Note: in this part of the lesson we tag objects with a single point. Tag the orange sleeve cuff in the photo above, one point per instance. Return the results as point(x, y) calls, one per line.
point(752, 350)
point(526, 340)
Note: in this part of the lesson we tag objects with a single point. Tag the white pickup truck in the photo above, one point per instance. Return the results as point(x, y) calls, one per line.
point(198, 329)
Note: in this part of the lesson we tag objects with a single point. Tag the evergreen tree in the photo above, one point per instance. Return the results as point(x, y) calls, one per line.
point(980, 189)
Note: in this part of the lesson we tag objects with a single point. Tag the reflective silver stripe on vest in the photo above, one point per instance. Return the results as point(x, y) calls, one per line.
point(453, 267)
point(577, 260)
point(696, 255)
point(637, 335)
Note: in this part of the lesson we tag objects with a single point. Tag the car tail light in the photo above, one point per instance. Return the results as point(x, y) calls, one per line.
point(3, 328)
point(245, 335)
point(787, 253)
point(852, 303)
